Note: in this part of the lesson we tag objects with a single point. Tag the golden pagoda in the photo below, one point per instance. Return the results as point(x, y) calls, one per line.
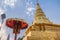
point(42, 28)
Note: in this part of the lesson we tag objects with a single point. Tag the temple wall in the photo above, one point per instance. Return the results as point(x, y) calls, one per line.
point(43, 35)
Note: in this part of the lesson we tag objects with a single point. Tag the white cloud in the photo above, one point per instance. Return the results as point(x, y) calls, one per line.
point(10, 3)
point(29, 8)
point(27, 12)
point(1, 11)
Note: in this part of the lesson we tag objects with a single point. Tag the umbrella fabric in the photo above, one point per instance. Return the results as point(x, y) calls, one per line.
point(24, 25)
point(11, 22)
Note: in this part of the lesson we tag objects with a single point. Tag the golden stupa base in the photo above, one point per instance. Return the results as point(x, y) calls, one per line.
point(43, 35)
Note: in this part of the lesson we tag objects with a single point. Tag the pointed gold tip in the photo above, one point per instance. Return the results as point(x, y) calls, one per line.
point(36, 1)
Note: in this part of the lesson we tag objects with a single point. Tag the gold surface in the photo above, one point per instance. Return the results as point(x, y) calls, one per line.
point(42, 28)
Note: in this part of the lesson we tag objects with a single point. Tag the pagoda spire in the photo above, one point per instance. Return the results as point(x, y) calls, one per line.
point(40, 16)
point(38, 9)
point(36, 1)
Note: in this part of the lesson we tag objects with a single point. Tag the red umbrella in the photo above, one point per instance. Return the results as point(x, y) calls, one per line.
point(16, 24)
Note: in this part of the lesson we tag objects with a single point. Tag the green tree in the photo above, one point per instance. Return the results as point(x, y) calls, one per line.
point(20, 38)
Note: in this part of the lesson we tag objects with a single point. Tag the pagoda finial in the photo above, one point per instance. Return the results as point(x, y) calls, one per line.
point(36, 1)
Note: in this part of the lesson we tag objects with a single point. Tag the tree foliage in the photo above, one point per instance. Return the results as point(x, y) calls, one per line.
point(20, 38)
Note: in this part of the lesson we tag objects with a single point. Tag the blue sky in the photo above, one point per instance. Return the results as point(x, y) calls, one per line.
point(25, 9)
